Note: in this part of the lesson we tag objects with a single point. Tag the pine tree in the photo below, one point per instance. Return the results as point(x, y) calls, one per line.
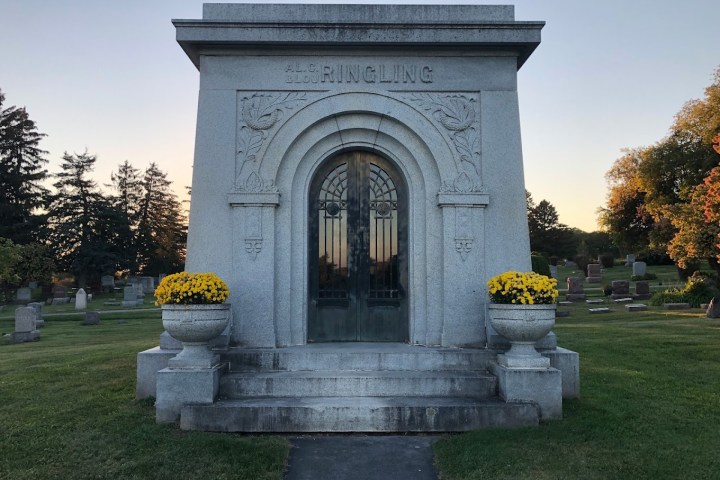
point(21, 174)
point(82, 222)
point(127, 184)
point(161, 231)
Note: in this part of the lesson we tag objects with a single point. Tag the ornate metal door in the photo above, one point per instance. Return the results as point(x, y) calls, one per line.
point(358, 251)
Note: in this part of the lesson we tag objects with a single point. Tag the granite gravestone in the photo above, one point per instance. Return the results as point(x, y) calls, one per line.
point(23, 294)
point(594, 273)
point(642, 290)
point(39, 321)
point(81, 300)
point(620, 289)
point(25, 328)
point(130, 298)
point(576, 290)
point(639, 269)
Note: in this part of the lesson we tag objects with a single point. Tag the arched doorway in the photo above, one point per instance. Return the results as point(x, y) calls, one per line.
point(358, 251)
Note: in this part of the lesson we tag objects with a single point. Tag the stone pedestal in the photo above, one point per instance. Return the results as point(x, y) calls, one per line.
point(543, 386)
point(179, 386)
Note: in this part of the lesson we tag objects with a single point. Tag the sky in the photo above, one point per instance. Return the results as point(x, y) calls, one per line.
point(109, 78)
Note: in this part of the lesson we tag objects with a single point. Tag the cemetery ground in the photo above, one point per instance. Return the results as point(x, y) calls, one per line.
point(649, 408)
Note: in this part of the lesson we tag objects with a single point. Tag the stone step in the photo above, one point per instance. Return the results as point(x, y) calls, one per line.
point(353, 414)
point(393, 383)
point(358, 356)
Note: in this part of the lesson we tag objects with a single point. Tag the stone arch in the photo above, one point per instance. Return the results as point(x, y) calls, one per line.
point(397, 132)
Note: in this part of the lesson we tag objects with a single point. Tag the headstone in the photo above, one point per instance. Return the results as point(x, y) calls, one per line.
point(642, 290)
point(676, 306)
point(148, 283)
point(635, 307)
point(25, 329)
point(595, 301)
point(553, 271)
point(599, 310)
point(570, 264)
point(623, 300)
point(594, 274)
point(60, 295)
point(629, 259)
point(129, 296)
point(39, 322)
point(81, 300)
point(107, 281)
point(564, 303)
point(620, 289)
point(23, 294)
point(562, 313)
point(60, 291)
point(139, 291)
point(91, 318)
point(161, 276)
point(639, 269)
point(576, 290)
point(33, 284)
point(713, 308)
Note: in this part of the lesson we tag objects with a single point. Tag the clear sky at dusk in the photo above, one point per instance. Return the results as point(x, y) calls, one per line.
point(110, 78)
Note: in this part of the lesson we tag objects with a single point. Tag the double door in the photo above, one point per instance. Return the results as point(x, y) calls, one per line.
point(358, 251)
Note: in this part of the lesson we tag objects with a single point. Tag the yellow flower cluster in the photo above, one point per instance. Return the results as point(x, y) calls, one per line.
point(525, 288)
point(191, 289)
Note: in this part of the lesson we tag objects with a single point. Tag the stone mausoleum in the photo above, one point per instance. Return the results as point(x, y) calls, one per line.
point(358, 177)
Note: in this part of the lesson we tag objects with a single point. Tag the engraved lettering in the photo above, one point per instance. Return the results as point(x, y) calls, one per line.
point(353, 73)
point(327, 75)
point(357, 73)
point(410, 74)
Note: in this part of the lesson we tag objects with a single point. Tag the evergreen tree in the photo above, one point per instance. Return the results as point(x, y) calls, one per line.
point(82, 222)
point(161, 231)
point(21, 174)
point(127, 184)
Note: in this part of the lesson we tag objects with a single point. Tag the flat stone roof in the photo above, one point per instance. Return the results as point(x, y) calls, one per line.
point(238, 27)
point(353, 13)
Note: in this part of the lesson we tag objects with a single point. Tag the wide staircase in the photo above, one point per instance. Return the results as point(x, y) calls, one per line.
point(357, 387)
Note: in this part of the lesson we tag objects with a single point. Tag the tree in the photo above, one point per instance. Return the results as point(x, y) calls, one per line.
point(21, 175)
point(650, 185)
point(161, 233)
point(127, 185)
point(82, 222)
point(547, 235)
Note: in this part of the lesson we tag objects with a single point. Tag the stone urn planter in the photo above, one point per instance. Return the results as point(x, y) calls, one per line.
point(522, 325)
point(194, 326)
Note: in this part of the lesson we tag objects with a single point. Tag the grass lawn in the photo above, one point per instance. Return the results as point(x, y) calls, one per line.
point(650, 407)
point(67, 411)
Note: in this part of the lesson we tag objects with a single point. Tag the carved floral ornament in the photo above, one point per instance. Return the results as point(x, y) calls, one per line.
point(456, 113)
point(259, 113)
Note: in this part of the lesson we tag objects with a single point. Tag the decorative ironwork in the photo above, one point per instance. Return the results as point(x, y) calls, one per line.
point(332, 234)
point(383, 235)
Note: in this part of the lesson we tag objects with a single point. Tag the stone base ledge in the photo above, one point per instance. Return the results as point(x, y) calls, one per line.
point(149, 363)
point(568, 362)
point(177, 387)
point(541, 386)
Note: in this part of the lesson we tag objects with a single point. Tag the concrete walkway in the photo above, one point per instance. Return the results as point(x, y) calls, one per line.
point(357, 457)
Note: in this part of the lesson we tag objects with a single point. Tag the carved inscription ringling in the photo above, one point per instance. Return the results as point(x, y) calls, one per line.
point(357, 73)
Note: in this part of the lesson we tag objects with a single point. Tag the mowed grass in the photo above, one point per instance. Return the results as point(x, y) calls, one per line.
point(67, 411)
point(650, 406)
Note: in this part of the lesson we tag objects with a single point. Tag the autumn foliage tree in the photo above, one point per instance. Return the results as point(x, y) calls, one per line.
point(657, 193)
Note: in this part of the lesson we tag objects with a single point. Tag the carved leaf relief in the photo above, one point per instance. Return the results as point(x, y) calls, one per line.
point(259, 113)
point(456, 113)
